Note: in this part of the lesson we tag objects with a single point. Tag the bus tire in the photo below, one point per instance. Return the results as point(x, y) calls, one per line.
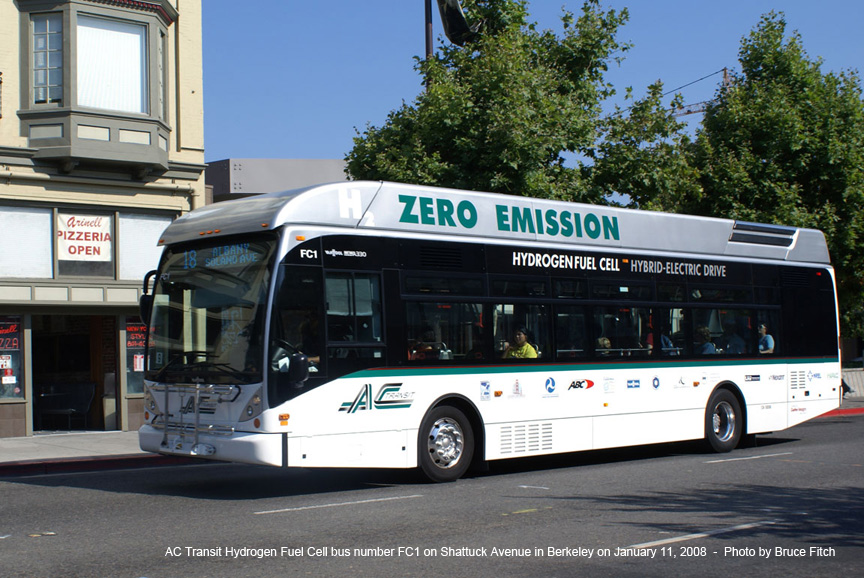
point(723, 421)
point(445, 444)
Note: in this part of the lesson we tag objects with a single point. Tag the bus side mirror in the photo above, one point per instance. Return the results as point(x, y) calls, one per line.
point(297, 371)
point(145, 303)
point(145, 308)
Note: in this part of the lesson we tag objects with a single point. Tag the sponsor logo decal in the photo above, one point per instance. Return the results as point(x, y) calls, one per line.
point(550, 385)
point(517, 389)
point(655, 382)
point(608, 385)
point(485, 391)
point(581, 384)
point(633, 384)
point(752, 378)
point(389, 396)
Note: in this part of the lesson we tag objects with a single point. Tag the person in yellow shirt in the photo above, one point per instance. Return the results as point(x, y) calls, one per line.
point(520, 348)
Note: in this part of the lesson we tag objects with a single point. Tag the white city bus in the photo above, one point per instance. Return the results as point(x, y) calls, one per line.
point(368, 324)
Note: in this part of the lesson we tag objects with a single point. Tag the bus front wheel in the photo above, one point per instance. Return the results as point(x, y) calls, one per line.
point(445, 444)
point(723, 421)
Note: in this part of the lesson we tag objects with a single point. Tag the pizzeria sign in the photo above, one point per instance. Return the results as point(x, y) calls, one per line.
point(84, 238)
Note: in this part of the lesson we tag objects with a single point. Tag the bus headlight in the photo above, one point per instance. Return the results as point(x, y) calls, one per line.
point(253, 408)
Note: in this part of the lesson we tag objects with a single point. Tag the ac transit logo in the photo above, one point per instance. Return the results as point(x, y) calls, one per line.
point(389, 396)
point(204, 406)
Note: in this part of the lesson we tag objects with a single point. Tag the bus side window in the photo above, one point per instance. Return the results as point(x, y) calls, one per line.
point(353, 308)
point(296, 312)
point(671, 322)
point(508, 318)
point(767, 333)
point(571, 332)
point(737, 334)
point(622, 331)
point(444, 331)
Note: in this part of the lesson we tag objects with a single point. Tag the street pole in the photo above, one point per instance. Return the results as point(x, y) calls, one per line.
point(428, 29)
point(428, 36)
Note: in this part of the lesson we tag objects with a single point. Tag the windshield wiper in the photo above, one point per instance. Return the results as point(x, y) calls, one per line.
point(182, 356)
point(200, 365)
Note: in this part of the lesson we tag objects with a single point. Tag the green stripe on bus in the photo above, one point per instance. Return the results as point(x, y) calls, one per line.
point(536, 368)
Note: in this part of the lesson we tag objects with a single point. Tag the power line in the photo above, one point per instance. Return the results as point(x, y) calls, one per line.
point(723, 70)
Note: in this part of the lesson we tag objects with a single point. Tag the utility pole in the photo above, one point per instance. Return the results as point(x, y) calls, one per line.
point(428, 29)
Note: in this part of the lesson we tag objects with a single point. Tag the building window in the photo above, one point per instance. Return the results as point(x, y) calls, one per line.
point(160, 75)
point(112, 65)
point(28, 230)
point(11, 355)
point(47, 58)
point(98, 75)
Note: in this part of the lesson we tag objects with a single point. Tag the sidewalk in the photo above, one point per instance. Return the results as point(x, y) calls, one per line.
point(63, 452)
point(52, 453)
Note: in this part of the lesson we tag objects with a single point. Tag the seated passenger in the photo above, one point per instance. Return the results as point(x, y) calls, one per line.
point(425, 348)
point(604, 346)
point(766, 342)
point(520, 348)
point(703, 341)
point(734, 343)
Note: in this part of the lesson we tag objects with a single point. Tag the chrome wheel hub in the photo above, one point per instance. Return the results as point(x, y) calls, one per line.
point(446, 443)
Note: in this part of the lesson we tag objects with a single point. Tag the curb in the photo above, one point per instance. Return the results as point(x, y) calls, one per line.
point(91, 464)
point(844, 412)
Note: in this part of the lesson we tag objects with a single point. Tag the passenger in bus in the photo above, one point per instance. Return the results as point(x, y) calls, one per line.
point(520, 348)
point(732, 342)
point(704, 346)
point(603, 347)
point(426, 347)
point(766, 342)
point(666, 345)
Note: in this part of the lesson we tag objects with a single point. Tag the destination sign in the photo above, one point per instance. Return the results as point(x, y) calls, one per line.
point(221, 256)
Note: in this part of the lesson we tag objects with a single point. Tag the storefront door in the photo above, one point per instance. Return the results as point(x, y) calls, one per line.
point(74, 364)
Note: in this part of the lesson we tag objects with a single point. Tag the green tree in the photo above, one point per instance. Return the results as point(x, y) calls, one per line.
point(504, 112)
point(782, 143)
point(640, 157)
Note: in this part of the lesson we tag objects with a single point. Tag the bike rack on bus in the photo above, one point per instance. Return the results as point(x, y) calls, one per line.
point(222, 393)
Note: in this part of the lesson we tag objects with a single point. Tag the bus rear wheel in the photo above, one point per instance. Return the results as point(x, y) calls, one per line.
point(723, 421)
point(445, 444)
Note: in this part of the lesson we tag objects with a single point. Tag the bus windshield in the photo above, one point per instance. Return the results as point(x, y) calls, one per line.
point(209, 310)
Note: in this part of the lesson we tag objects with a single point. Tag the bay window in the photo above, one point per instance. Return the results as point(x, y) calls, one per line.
point(98, 82)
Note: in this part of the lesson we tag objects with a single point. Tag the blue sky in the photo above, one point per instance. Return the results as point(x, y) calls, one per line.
point(297, 82)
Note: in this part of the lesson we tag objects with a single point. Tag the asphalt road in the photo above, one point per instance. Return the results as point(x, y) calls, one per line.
point(791, 506)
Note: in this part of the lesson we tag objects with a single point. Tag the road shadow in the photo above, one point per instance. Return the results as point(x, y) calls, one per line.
point(206, 480)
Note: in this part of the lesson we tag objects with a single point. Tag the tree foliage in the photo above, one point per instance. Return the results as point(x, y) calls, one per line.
point(502, 113)
point(783, 144)
point(641, 154)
